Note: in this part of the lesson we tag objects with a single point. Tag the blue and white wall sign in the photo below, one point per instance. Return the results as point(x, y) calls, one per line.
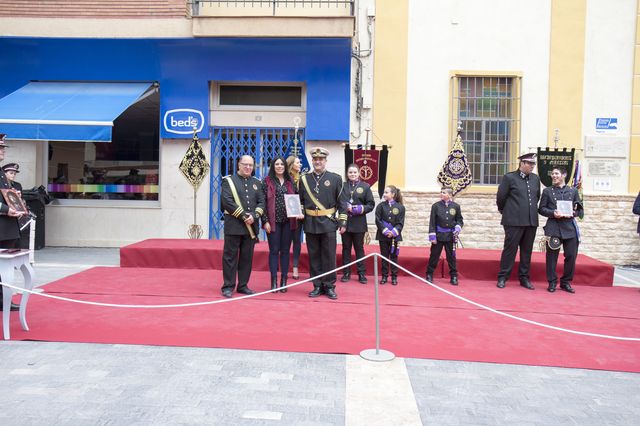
point(606, 125)
point(183, 121)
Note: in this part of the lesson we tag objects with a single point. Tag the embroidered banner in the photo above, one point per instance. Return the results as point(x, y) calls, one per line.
point(455, 172)
point(368, 161)
point(549, 158)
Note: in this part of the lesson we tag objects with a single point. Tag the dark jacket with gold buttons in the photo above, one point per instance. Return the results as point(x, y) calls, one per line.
point(329, 186)
point(443, 220)
point(564, 227)
point(251, 202)
point(517, 199)
point(358, 195)
point(393, 214)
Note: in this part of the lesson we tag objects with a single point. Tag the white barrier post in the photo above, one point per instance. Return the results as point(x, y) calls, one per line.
point(377, 354)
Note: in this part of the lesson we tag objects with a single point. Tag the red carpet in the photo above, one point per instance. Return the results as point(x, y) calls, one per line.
point(473, 264)
point(416, 320)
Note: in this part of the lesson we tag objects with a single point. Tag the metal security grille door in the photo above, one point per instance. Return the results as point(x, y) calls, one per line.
point(228, 145)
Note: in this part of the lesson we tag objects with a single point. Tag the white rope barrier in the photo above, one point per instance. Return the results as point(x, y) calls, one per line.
point(214, 302)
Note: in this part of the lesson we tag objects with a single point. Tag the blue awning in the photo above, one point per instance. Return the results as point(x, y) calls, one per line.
point(56, 111)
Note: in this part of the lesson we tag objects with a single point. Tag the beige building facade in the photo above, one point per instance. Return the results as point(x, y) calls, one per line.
point(519, 75)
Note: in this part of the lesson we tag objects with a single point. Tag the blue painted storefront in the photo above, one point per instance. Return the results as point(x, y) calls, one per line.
point(184, 68)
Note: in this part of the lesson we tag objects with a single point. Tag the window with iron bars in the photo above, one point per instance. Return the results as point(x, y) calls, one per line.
point(489, 110)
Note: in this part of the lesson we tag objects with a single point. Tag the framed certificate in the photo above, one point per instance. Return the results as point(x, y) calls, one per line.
point(565, 208)
point(292, 203)
point(13, 200)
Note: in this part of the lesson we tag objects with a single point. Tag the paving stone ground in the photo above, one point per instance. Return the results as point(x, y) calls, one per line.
point(47, 383)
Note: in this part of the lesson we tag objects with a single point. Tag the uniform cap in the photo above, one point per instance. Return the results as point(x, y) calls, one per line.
point(2, 143)
point(11, 167)
point(529, 157)
point(319, 152)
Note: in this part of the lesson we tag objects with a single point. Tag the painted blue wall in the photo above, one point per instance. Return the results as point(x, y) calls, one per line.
point(184, 67)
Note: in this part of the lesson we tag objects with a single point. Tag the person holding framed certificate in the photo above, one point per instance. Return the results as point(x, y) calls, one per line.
point(280, 220)
point(9, 230)
point(561, 204)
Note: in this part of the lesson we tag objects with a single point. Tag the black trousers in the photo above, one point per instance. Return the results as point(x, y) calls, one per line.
point(570, 247)
point(434, 257)
point(517, 237)
point(7, 244)
point(355, 239)
point(322, 258)
point(237, 257)
point(385, 250)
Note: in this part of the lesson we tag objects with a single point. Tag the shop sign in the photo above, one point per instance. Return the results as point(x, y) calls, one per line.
point(183, 121)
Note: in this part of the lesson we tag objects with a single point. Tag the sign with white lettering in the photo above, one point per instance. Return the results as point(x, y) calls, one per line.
point(607, 125)
point(183, 121)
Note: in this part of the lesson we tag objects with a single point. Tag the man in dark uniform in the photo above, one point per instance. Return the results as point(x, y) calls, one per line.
point(319, 195)
point(445, 223)
point(242, 200)
point(517, 200)
point(357, 200)
point(9, 230)
point(562, 228)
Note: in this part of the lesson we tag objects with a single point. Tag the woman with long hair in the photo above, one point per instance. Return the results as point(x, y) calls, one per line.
point(295, 165)
point(275, 222)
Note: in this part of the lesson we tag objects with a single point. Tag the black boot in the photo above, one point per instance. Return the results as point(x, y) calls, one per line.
point(283, 283)
point(394, 280)
point(346, 277)
point(383, 280)
point(567, 287)
point(274, 283)
point(317, 291)
point(361, 278)
point(331, 293)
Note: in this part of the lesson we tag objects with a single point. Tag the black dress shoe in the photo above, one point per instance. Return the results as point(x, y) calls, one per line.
point(383, 280)
point(394, 280)
point(567, 287)
point(331, 294)
point(454, 281)
point(14, 307)
point(430, 278)
point(345, 278)
point(526, 284)
point(551, 288)
point(501, 283)
point(246, 290)
point(362, 279)
point(227, 293)
point(316, 292)
point(283, 284)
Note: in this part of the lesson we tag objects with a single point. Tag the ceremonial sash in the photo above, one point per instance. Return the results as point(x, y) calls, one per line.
point(322, 209)
point(236, 198)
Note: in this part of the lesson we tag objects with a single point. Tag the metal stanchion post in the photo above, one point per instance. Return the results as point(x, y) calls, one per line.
point(377, 354)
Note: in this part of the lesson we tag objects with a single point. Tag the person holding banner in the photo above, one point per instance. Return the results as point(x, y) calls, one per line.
point(517, 201)
point(320, 196)
point(390, 221)
point(242, 200)
point(445, 224)
point(561, 204)
point(357, 199)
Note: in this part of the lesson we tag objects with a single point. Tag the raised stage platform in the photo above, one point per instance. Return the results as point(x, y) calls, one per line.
point(473, 264)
